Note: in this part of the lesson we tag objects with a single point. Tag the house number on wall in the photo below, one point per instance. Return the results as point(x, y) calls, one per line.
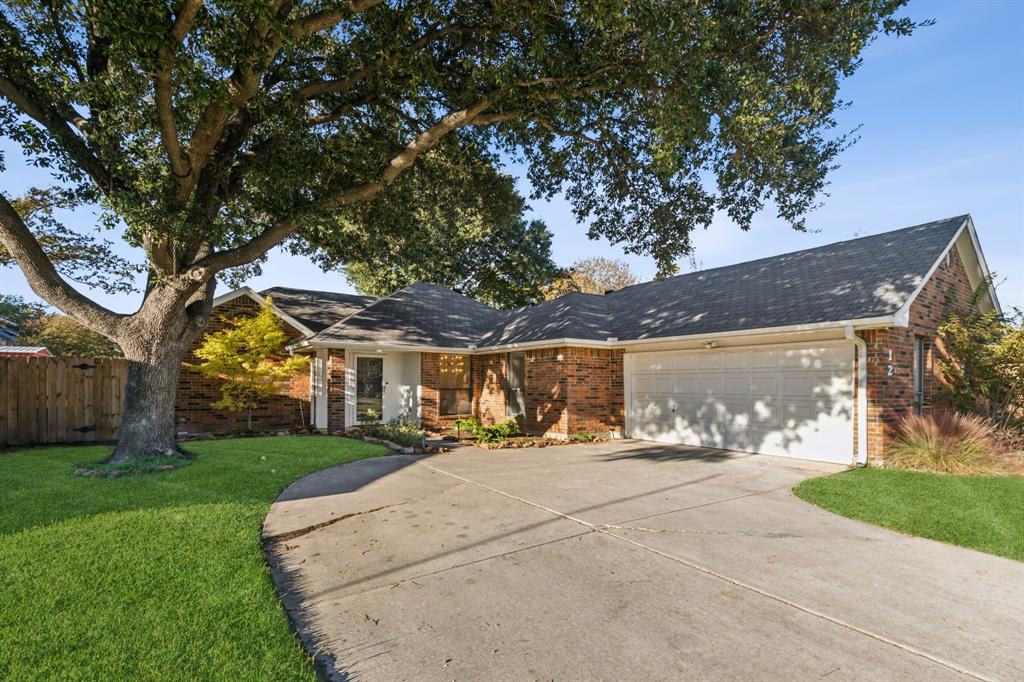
point(889, 367)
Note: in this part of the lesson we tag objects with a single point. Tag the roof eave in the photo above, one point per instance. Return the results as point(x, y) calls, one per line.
point(859, 323)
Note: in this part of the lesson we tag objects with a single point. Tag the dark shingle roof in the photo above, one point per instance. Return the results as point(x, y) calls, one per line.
point(850, 280)
point(859, 278)
point(419, 314)
point(574, 315)
point(318, 310)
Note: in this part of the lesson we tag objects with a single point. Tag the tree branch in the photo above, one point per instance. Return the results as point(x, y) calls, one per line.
point(369, 69)
point(275, 234)
point(62, 40)
point(404, 159)
point(319, 21)
point(61, 129)
point(43, 277)
point(240, 87)
point(163, 88)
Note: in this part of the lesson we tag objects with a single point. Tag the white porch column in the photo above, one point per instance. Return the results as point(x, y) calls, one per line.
point(318, 389)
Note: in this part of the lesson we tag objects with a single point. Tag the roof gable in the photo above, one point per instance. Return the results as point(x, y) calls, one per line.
point(573, 315)
point(419, 314)
point(317, 310)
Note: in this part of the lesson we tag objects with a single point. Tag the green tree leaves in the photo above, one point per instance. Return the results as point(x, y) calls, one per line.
point(242, 356)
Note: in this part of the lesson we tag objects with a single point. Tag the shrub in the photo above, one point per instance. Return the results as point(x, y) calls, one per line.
point(404, 431)
point(472, 427)
point(946, 442)
point(982, 363)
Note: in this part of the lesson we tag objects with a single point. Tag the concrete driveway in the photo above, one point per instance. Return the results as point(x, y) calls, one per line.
point(624, 561)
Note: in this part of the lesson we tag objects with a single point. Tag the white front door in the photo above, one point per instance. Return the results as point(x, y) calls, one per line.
point(381, 386)
point(795, 401)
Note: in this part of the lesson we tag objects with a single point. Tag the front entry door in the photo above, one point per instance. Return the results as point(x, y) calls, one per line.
point(369, 389)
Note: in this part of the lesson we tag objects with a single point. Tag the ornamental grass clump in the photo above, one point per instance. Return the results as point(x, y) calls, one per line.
point(946, 442)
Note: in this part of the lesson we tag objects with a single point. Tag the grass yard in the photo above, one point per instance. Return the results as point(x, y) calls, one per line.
point(158, 577)
point(981, 512)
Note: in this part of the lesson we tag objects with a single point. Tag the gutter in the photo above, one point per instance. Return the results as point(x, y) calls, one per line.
point(862, 395)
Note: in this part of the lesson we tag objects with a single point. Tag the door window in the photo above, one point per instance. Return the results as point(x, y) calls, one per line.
point(369, 389)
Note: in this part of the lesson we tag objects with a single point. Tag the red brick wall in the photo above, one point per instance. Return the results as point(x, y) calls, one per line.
point(596, 403)
point(196, 392)
point(429, 399)
point(567, 390)
point(546, 392)
point(335, 391)
point(891, 354)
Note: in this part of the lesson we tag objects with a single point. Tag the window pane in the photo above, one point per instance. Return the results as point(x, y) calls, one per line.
point(919, 351)
point(516, 381)
point(454, 371)
point(455, 401)
point(369, 388)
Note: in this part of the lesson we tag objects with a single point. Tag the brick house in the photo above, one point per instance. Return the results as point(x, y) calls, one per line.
point(781, 355)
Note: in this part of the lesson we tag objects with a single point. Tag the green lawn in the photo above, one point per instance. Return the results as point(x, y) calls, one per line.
point(980, 512)
point(158, 577)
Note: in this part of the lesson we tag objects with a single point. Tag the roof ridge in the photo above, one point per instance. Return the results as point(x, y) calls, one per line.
point(316, 291)
point(962, 217)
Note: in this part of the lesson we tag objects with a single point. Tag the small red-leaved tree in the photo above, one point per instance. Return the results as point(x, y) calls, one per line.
point(213, 131)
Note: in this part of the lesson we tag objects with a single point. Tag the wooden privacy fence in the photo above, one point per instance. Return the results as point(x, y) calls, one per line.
point(60, 400)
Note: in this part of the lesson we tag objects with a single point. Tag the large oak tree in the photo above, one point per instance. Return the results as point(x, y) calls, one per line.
point(212, 131)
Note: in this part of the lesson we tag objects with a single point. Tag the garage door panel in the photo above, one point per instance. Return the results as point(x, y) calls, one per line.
point(737, 361)
point(665, 383)
point(710, 385)
point(643, 384)
point(764, 411)
point(737, 385)
point(685, 362)
point(836, 386)
point(796, 386)
point(688, 385)
point(764, 385)
point(795, 401)
point(710, 360)
point(764, 359)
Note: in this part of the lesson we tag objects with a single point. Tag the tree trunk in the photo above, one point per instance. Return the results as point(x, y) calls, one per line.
point(147, 417)
point(154, 341)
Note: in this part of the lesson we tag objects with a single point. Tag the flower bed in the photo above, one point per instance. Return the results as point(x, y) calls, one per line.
point(513, 442)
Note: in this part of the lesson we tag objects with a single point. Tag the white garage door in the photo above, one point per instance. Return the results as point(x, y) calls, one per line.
point(795, 401)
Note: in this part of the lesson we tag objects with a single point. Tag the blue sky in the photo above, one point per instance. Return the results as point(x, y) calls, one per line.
point(942, 116)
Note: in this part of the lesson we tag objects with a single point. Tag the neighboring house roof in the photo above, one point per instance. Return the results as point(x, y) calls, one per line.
point(25, 350)
point(419, 314)
point(869, 279)
point(317, 310)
